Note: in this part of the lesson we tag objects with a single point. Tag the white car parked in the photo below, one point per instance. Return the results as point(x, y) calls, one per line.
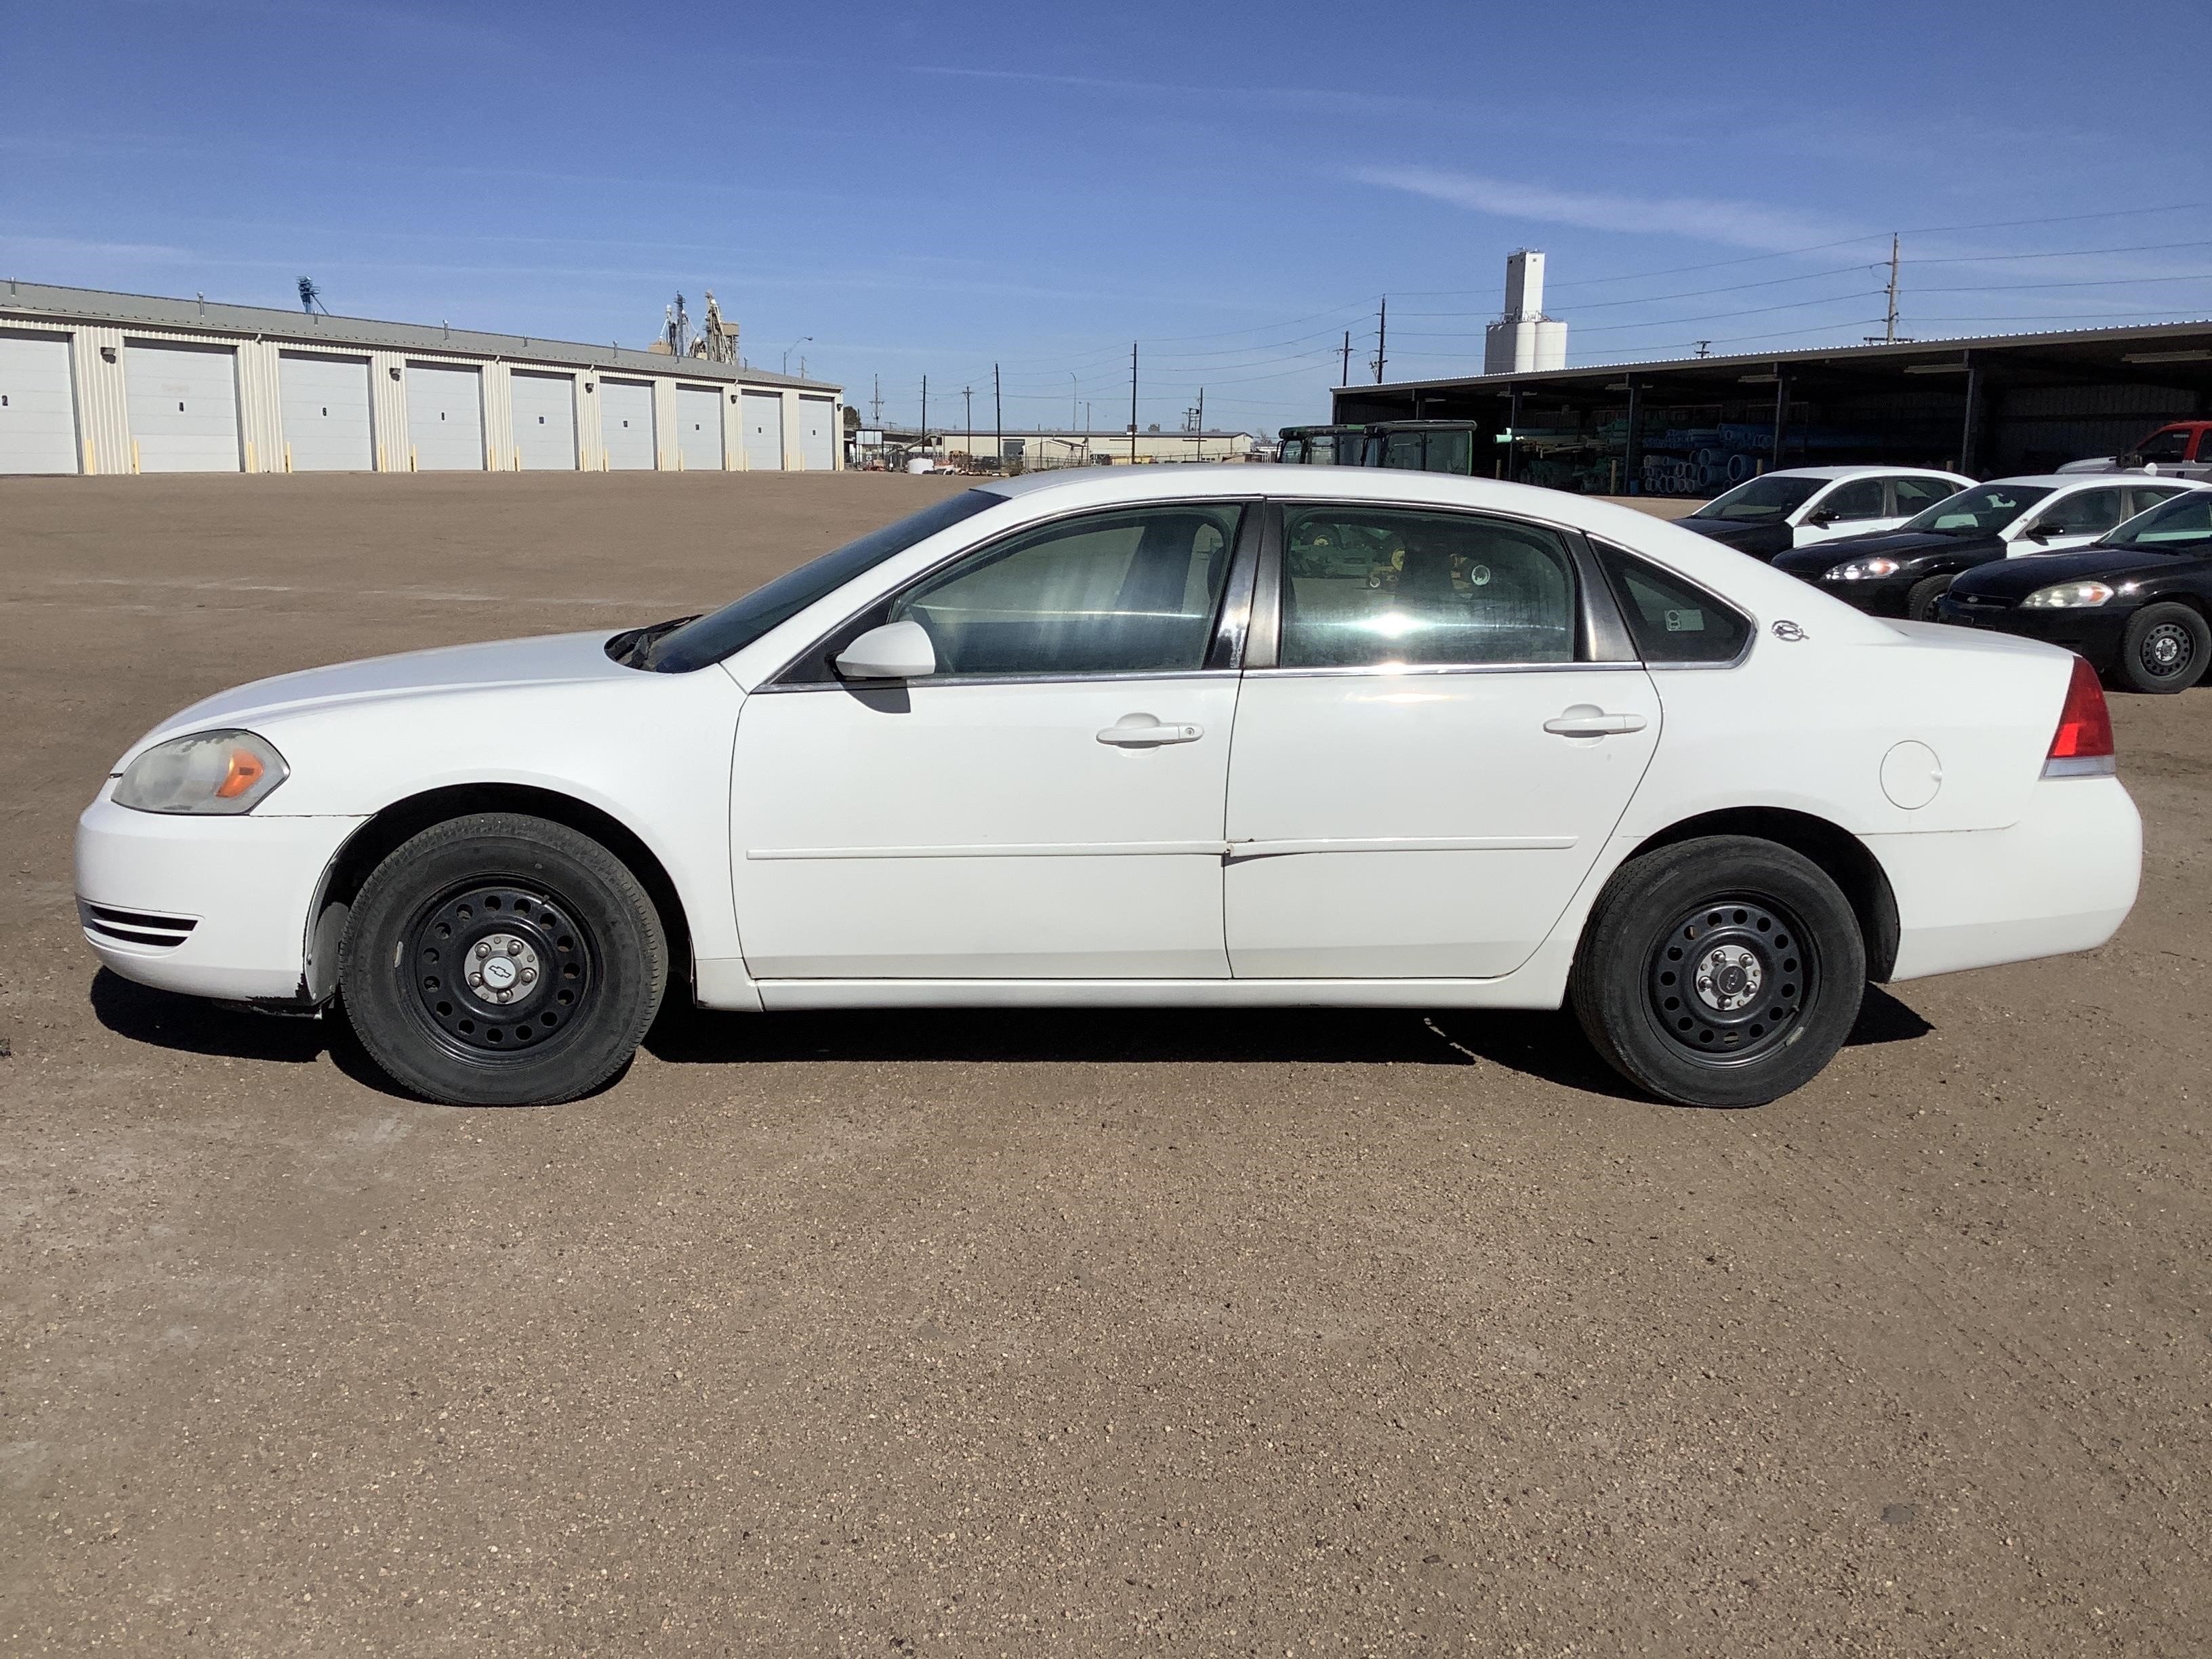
point(1807, 506)
point(1142, 737)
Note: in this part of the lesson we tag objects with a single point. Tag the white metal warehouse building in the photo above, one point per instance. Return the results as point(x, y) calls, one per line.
point(92, 382)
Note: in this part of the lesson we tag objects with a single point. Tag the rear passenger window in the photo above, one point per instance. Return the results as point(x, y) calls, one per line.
point(1914, 493)
point(1670, 620)
point(1380, 587)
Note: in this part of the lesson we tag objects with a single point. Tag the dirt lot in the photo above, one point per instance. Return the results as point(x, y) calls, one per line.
point(1362, 1332)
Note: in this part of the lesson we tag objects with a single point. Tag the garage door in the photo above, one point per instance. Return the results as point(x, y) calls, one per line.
point(325, 413)
point(815, 415)
point(445, 418)
point(38, 418)
point(699, 427)
point(763, 418)
point(183, 407)
point(626, 424)
point(546, 422)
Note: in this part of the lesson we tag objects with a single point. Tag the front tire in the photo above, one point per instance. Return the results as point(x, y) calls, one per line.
point(1723, 972)
point(501, 960)
point(2166, 649)
point(1920, 601)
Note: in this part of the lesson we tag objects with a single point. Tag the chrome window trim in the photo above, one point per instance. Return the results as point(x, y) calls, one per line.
point(776, 682)
point(1133, 677)
point(1384, 671)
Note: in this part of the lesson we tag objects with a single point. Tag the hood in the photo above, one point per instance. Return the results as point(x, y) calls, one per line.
point(550, 660)
point(1762, 539)
point(2015, 579)
point(1900, 544)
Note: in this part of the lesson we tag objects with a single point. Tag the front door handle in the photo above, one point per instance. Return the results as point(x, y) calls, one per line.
point(1144, 731)
point(1587, 720)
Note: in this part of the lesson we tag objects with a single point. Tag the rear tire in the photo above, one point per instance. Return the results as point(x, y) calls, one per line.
point(1723, 972)
point(2166, 649)
point(1920, 601)
point(501, 960)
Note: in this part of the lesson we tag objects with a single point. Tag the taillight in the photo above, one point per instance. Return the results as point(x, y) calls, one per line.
point(2083, 745)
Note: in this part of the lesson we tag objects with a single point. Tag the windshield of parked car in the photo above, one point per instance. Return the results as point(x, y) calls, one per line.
point(1761, 501)
point(717, 635)
point(2183, 524)
point(1979, 510)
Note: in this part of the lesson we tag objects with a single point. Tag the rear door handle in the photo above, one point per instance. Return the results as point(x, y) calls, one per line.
point(1143, 732)
point(1587, 721)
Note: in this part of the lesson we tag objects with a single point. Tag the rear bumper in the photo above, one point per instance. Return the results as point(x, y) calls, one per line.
point(2061, 879)
point(213, 906)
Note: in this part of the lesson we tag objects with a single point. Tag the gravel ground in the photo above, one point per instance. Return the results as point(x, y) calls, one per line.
point(1010, 1333)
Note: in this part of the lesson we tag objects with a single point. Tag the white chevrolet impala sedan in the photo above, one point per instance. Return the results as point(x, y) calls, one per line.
point(1168, 737)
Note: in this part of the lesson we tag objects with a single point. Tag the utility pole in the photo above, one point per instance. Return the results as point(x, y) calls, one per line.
point(1074, 392)
point(925, 414)
point(1704, 348)
point(1201, 423)
point(1381, 337)
point(879, 403)
point(1345, 378)
point(1889, 328)
point(968, 392)
point(997, 418)
point(1133, 403)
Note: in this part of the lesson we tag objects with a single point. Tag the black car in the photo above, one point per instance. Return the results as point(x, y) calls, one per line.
point(2134, 604)
point(1903, 571)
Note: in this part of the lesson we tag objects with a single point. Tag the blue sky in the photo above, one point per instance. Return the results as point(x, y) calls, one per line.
point(926, 191)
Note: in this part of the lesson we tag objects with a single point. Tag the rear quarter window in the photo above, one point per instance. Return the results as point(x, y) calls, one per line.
point(1670, 620)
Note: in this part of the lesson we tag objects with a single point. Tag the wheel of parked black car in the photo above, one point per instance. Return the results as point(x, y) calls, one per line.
point(1724, 971)
point(1920, 599)
point(2166, 648)
point(501, 960)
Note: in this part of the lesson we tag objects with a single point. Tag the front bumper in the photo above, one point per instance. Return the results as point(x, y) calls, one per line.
point(2062, 878)
point(2095, 632)
point(213, 906)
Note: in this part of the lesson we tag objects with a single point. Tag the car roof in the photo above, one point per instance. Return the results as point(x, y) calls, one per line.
point(2091, 480)
point(1861, 470)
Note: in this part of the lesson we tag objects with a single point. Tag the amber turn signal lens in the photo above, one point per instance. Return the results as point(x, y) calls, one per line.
point(245, 771)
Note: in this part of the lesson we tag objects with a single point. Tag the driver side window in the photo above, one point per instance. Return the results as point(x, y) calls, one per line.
point(1125, 592)
point(1859, 499)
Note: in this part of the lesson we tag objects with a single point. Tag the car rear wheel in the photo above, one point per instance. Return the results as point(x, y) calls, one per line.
point(501, 960)
point(2166, 649)
point(1920, 601)
point(1723, 972)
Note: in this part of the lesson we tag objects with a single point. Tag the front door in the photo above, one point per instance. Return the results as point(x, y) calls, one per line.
point(2075, 519)
point(1423, 781)
point(1048, 804)
point(1857, 507)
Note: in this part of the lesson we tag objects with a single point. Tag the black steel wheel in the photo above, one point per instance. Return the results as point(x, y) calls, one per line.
point(501, 960)
point(2166, 648)
point(1723, 971)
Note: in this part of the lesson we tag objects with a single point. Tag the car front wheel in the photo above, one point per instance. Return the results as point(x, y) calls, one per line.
point(1723, 971)
point(2164, 649)
point(501, 960)
point(1920, 603)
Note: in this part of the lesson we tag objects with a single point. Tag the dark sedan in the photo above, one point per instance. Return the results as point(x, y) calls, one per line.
point(1903, 571)
point(2134, 605)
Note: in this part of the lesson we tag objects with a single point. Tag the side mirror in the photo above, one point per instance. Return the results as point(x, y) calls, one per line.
point(1822, 518)
point(896, 651)
point(2040, 532)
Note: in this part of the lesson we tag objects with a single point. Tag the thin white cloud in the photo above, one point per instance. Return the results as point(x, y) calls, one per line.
point(1734, 224)
point(1202, 97)
point(72, 248)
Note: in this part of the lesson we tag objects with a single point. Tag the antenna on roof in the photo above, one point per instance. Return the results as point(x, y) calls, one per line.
point(311, 297)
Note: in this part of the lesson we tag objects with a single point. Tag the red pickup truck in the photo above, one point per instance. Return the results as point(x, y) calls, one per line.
point(2180, 450)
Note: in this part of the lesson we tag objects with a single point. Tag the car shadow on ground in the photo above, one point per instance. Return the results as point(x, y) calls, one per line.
point(1545, 1045)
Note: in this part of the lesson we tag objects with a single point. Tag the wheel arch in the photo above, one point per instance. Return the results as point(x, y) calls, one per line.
point(1842, 856)
point(376, 838)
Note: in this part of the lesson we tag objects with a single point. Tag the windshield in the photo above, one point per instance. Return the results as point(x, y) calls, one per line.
point(1758, 500)
point(2183, 524)
point(1979, 510)
point(2168, 446)
point(715, 635)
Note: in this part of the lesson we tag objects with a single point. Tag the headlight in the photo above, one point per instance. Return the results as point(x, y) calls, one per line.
point(226, 772)
point(1861, 570)
point(2067, 596)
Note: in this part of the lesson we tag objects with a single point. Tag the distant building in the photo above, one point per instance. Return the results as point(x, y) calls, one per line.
point(95, 382)
point(1524, 340)
point(1048, 449)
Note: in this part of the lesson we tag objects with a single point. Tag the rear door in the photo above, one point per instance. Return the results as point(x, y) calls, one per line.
point(1433, 760)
